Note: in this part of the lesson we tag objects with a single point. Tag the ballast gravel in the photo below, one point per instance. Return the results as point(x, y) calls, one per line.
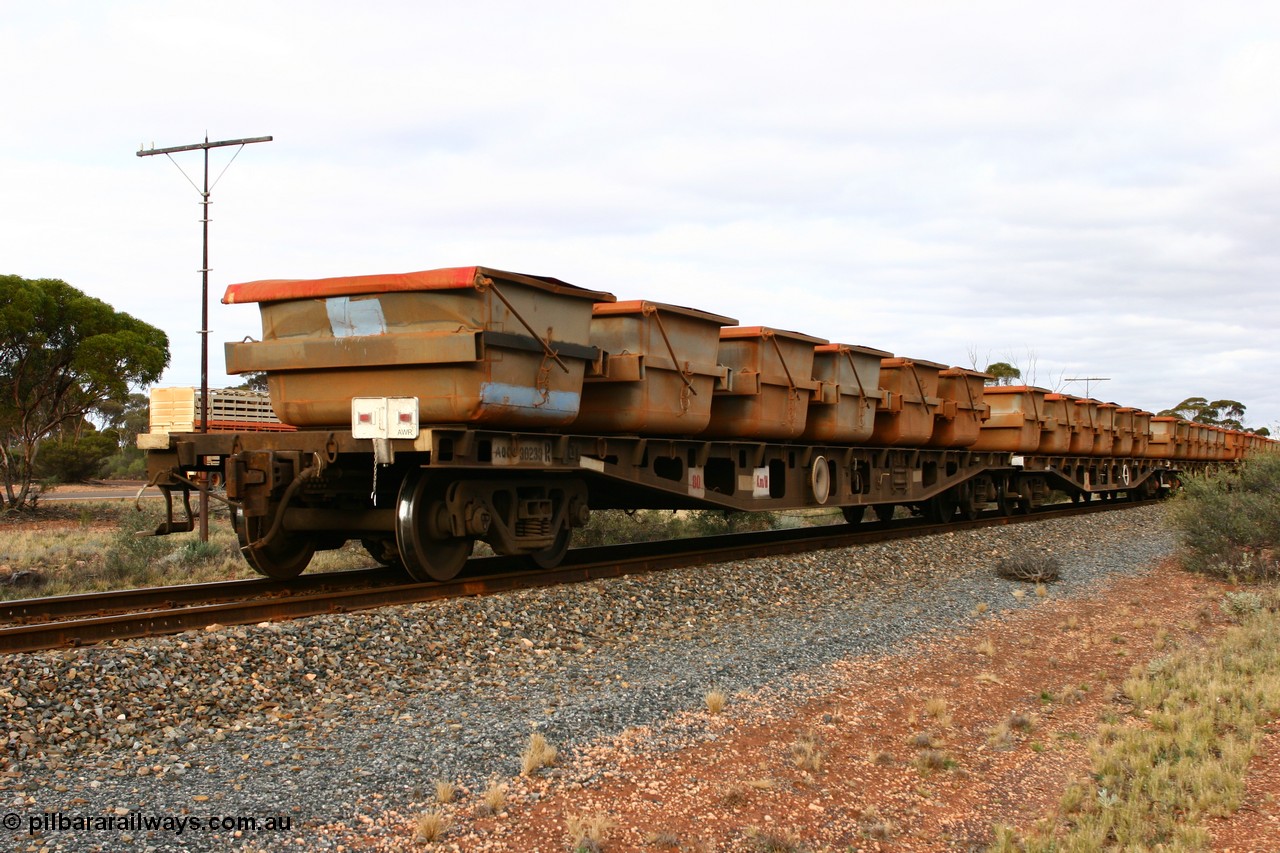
point(266, 734)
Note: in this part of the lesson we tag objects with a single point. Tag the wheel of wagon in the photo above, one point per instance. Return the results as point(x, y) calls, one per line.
point(283, 558)
point(854, 514)
point(1004, 503)
point(967, 502)
point(1023, 505)
point(553, 555)
point(1141, 492)
point(426, 556)
point(884, 512)
point(942, 507)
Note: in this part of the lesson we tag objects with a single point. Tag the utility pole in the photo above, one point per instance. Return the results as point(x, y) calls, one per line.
point(204, 287)
point(1086, 380)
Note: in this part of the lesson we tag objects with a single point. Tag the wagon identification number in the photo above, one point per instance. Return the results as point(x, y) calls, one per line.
point(697, 483)
point(522, 453)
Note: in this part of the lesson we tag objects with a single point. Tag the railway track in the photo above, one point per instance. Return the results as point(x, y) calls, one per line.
point(86, 619)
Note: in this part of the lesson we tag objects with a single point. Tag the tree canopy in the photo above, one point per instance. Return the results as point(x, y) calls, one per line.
point(63, 354)
point(1004, 373)
point(1223, 413)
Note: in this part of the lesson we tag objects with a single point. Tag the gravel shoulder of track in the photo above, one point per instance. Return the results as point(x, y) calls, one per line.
point(328, 721)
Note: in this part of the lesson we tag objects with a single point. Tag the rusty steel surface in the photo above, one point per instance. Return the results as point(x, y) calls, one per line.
point(962, 410)
point(453, 278)
point(1018, 413)
point(657, 372)
point(772, 383)
point(29, 610)
point(843, 409)
point(906, 415)
point(473, 345)
point(583, 565)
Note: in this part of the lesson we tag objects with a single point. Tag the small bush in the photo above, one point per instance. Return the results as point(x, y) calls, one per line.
point(1030, 566)
point(1238, 605)
point(1228, 520)
point(715, 700)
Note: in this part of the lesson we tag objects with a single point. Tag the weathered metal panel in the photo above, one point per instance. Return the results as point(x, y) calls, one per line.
point(905, 416)
point(474, 345)
point(772, 383)
point(658, 369)
point(1017, 416)
point(843, 409)
point(1061, 422)
point(963, 409)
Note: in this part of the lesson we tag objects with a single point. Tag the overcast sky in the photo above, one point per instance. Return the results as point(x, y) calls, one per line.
point(1085, 189)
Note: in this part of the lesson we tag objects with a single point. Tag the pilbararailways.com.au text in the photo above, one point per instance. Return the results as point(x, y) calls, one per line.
point(136, 821)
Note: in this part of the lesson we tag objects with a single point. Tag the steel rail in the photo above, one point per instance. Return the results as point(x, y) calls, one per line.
point(278, 601)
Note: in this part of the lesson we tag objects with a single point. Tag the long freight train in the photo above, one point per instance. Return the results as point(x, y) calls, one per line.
point(436, 408)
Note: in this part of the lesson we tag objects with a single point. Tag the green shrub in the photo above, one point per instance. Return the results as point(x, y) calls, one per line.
point(1228, 520)
point(71, 460)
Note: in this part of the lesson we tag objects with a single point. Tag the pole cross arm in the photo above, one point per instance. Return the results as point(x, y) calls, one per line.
point(206, 145)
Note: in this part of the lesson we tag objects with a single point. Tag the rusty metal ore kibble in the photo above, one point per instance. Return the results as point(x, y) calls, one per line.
point(335, 720)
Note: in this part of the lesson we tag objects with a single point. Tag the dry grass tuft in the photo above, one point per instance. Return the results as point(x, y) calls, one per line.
point(1020, 722)
point(931, 760)
point(494, 799)
point(588, 834)
point(445, 791)
point(978, 609)
point(663, 839)
point(936, 707)
point(768, 841)
point(986, 647)
point(924, 740)
point(1000, 737)
point(537, 754)
point(733, 796)
point(715, 700)
point(430, 826)
point(809, 751)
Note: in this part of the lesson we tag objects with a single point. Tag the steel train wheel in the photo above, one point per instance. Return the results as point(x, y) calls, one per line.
point(1024, 503)
point(284, 558)
point(553, 555)
point(942, 507)
point(1004, 502)
point(884, 512)
point(968, 502)
point(424, 556)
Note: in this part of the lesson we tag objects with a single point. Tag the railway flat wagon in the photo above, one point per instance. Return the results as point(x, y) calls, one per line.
point(440, 408)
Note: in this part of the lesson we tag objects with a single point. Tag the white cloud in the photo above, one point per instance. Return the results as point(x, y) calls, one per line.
point(1095, 183)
